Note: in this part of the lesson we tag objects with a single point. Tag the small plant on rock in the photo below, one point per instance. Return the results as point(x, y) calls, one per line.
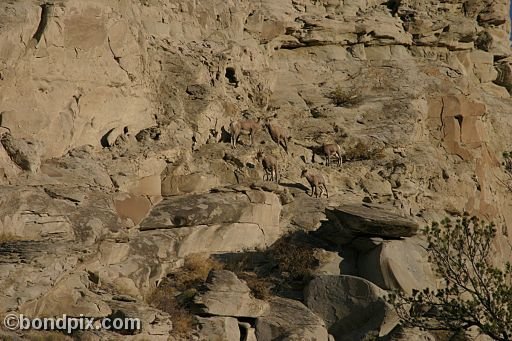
point(176, 290)
point(476, 292)
point(344, 98)
point(363, 151)
point(507, 162)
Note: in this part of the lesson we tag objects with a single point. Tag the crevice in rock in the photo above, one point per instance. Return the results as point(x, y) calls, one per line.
point(43, 22)
point(118, 61)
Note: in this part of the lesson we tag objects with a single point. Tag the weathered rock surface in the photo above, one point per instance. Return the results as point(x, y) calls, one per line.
point(350, 306)
point(226, 295)
point(368, 220)
point(290, 320)
point(219, 328)
point(106, 106)
point(218, 222)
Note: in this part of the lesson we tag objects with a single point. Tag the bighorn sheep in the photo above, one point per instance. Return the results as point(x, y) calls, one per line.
point(270, 166)
point(330, 150)
point(315, 181)
point(243, 127)
point(278, 134)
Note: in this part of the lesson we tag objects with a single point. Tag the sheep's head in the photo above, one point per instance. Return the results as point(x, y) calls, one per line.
point(304, 172)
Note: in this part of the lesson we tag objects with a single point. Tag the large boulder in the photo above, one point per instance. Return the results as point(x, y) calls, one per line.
point(290, 320)
point(351, 306)
point(368, 220)
point(226, 295)
point(397, 264)
point(218, 222)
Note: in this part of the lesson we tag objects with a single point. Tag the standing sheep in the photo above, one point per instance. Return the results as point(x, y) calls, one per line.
point(332, 150)
point(278, 134)
point(243, 127)
point(270, 166)
point(315, 181)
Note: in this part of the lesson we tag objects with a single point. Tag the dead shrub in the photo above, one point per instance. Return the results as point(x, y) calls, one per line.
point(344, 97)
point(261, 287)
point(507, 161)
point(176, 291)
point(194, 271)
point(164, 298)
point(362, 151)
point(297, 261)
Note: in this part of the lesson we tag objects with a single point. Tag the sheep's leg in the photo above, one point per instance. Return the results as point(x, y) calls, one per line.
point(321, 191)
point(283, 144)
point(326, 192)
point(328, 159)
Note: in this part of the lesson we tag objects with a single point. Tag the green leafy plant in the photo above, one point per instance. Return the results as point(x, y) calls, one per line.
point(476, 292)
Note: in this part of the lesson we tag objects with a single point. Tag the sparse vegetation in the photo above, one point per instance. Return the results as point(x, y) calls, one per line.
point(362, 151)
point(260, 287)
point(293, 260)
point(476, 292)
point(344, 97)
point(507, 161)
point(173, 295)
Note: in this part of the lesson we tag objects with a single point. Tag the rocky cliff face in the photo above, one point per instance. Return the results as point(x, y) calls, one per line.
point(115, 162)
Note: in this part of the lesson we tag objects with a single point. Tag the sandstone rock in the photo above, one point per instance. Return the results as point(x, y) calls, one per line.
point(329, 262)
point(289, 320)
point(226, 295)
point(350, 306)
point(133, 207)
point(504, 77)
point(219, 328)
point(24, 153)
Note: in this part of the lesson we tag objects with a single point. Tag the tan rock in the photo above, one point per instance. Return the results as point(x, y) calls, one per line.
point(226, 295)
point(398, 264)
point(133, 207)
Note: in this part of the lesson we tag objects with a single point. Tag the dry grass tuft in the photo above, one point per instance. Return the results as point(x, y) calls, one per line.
point(175, 292)
point(295, 260)
point(344, 97)
point(261, 287)
point(362, 151)
point(164, 298)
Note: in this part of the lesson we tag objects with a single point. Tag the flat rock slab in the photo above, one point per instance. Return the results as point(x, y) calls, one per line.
point(214, 208)
point(372, 220)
